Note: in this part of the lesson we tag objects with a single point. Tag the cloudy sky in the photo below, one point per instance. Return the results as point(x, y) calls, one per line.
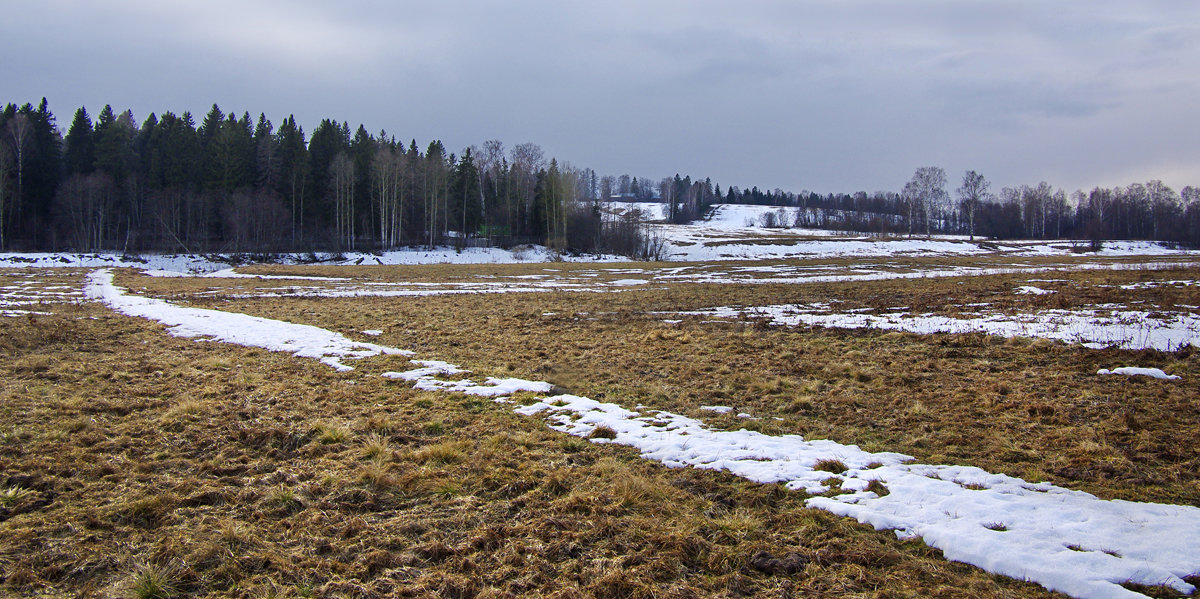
point(829, 95)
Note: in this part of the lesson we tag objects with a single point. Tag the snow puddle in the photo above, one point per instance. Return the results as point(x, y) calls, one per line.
point(1064, 540)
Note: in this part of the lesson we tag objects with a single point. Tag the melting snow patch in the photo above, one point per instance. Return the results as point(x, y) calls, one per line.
point(1031, 290)
point(717, 409)
point(1135, 371)
point(1100, 327)
point(373, 332)
point(230, 327)
point(1005, 525)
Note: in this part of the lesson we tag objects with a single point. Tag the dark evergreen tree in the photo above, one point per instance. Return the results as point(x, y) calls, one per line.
point(79, 151)
point(467, 198)
point(293, 174)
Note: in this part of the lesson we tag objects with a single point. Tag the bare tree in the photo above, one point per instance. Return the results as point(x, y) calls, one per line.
point(341, 179)
point(387, 186)
point(1164, 205)
point(929, 189)
point(973, 192)
point(18, 133)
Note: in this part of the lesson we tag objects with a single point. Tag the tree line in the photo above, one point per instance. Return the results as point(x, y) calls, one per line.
point(1147, 211)
point(235, 184)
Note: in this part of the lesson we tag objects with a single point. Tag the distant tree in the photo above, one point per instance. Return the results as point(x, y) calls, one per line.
point(973, 192)
point(293, 173)
point(341, 182)
point(468, 196)
point(18, 134)
point(434, 190)
point(210, 126)
point(929, 191)
point(387, 192)
point(1165, 207)
point(79, 152)
point(266, 155)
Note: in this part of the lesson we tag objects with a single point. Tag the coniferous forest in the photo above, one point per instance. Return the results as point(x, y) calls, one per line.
point(238, 184)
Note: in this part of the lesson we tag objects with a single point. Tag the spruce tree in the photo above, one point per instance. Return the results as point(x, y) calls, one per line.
point(79, 153)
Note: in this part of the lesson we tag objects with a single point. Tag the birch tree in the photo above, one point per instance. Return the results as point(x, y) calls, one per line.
point(973, 192)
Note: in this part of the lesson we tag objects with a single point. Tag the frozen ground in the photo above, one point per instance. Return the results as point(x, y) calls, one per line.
point(1065, 540)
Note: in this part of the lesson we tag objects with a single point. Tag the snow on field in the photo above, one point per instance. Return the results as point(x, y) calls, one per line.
point(241, 329)
point(1096, 328)
point(178, 263)
point(1031, 290)
point(1136, 371)
point(22, 291)
point(173, 265)
point(1065, 540)
point(599, 279)
point(735, 232)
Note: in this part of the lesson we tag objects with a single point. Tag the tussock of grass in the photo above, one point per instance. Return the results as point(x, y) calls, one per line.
point(330, 434)
point(603, 432)
point(153, 582)
point(376, 447)
point(830, 465)
point(450, 452)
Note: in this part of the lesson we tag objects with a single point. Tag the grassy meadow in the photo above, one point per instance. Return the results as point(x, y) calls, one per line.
point(133, 463)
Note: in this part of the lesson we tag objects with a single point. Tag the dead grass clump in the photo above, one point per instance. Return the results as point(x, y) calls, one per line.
point(284, 499)
point(11, 496)
point(330, 434)
point(153, 582)
point(376, 446)
point(830, 465)
point(185, 410)
point(450, 452)
point(146, 512)
point(377, 475)
point(33, 364)
point(877, 488)
point(603, 432)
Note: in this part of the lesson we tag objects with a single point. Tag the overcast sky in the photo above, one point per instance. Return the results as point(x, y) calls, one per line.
point(832, 95)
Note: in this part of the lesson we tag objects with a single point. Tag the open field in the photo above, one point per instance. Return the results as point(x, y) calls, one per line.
point(129, 455)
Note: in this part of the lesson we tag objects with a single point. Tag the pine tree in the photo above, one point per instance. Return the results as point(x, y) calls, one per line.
point(79, 153)
point(468, 197)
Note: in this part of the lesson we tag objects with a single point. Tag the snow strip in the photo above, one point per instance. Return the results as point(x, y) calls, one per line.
point(302, 340)
point(1136, 371)
point(1097, 328)
point(1065, 540)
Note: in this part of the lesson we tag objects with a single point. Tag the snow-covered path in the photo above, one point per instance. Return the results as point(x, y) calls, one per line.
point(1065, 540)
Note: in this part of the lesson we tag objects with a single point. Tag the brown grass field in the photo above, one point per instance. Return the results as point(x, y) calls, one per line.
point(136, 464)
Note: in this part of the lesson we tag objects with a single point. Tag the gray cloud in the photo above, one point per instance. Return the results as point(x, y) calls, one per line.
point(824, 95)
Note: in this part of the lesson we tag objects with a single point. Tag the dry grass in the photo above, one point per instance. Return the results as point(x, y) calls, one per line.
point(235, 472)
